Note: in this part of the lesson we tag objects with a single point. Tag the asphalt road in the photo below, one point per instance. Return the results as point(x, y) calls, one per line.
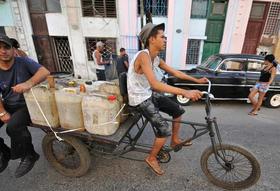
point(259, 134)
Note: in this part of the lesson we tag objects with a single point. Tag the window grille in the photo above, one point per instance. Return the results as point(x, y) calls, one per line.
point(63, 54)
point(156, 7)
point(272, 26)
point(193, 51)
point(101, 8)
point(109, 47)
point(199, 9)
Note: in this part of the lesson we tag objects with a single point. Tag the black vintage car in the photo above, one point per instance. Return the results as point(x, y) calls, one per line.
point(232, 76)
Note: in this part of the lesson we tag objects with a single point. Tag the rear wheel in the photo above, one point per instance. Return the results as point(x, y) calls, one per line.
point(272, 100)
point(69, 157)
point(239, 169)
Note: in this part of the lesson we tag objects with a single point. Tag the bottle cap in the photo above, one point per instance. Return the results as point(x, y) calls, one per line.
point(111, 98)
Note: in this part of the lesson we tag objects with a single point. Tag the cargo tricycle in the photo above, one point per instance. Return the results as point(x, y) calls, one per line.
point(228, 166)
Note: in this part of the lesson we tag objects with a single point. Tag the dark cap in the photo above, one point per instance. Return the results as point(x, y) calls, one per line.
point(147, 29)
point(5, 39)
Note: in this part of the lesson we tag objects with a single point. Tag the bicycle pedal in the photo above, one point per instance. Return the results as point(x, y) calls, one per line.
point(177, 148)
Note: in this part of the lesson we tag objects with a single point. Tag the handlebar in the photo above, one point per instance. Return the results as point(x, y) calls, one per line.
point(208, 92)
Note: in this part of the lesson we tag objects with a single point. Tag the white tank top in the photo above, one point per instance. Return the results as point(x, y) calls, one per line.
point(97, 66)
point(138, 86)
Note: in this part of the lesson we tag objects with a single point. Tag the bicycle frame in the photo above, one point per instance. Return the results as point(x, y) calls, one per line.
point(200, 129)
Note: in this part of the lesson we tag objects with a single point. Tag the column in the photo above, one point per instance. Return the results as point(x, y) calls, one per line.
point(72, 10)
point(177, 33)
point(127, 19)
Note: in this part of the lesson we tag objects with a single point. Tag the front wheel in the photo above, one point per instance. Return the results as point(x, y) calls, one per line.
point(238, 168)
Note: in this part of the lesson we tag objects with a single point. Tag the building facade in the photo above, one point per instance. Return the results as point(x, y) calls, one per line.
point(61, 34)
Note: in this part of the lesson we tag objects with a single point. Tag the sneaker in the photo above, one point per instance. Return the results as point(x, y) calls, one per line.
point(26, 164)
point(4, 161)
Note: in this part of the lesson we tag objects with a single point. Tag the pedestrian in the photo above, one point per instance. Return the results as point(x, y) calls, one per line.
point(17, 50)
point(17, 75)
point(144, 91)
point(267, 76)
point(98, 61)
point(122, 62)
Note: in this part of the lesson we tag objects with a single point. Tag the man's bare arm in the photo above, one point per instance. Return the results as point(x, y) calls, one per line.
point(156, 85)
point(179, 74)
point(37, 78)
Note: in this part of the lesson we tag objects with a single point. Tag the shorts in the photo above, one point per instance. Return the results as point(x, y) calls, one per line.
point(151, 107)
point(261, 87)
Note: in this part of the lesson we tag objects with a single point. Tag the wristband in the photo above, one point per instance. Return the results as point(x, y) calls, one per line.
point(3, 113)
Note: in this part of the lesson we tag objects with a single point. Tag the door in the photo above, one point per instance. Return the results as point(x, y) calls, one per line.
point(255, 27)
point(214, 27)
point(41, 38)
point(230, 79)
point(43, 49)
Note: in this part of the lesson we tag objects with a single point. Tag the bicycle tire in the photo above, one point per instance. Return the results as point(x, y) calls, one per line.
point(74, 147)
point(225, 183)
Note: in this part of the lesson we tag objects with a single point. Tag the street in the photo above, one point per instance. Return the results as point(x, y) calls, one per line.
point(259, 134)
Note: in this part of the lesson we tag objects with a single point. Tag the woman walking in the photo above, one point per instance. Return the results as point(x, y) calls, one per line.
point(268, 74)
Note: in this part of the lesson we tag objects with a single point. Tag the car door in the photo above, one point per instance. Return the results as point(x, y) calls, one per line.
point(253, 72)
point(230, 79)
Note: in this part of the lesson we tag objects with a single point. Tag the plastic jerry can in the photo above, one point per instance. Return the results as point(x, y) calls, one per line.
point(69, 108)
point(100, 114)
point(46, 100)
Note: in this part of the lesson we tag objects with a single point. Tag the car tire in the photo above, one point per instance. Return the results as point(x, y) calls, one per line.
point(182, 100)
point(272, 100)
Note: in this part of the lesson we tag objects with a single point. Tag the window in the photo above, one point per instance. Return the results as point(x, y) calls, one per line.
point(211, 63)
point(156, 7)
point(257, 11)
point(254, 66)
point(44, 5)
point(232, 65)
point(109, 48)
point(101, 8)
point(193, 51)
point(199, 9)
point(53, 6)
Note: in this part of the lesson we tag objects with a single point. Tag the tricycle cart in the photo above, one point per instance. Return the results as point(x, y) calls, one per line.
point(227, 166)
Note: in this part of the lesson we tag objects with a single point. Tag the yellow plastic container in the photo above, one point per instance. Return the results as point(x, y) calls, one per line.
point(46, 100)
point(100, 114)
point(69, 108)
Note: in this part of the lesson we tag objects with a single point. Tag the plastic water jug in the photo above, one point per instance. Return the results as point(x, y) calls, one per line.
point(69, 108)
point(46, 100)
point(100, 114)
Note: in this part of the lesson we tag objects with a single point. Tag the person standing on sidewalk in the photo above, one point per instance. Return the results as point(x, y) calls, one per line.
point(17, 75)
point(98, 61)
point(122, 62)
point(268, 74)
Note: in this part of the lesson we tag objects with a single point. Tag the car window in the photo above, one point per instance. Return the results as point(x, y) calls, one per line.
point(232, 65)
point(254, 66)
point(211, 63)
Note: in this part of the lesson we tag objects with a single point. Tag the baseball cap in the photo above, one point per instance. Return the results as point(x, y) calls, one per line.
point(5, 39)
point(147, 29)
